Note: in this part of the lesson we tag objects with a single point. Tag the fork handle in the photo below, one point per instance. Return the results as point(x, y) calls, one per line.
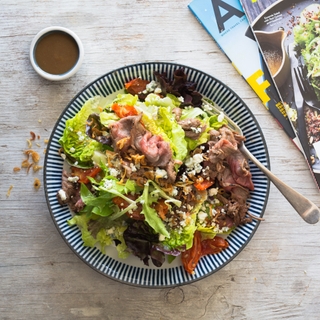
point(305, 208)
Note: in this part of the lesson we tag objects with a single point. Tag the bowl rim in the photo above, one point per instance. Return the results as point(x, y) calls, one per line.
point(49, 76)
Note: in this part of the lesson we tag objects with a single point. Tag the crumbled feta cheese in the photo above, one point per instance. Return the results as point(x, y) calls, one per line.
point(193, 164)
point(187, 190)
point(189, 163)
point(72, 150)
point(110, 231)
point(183, 223)
point(62, 195)
point(108, 184)
point(195, 129)
point(198, 158)
point(181, 99)
point(207, 107)
point(184, 178)
point(157, 90)
point(202, 216)
point(161, 237)
point(133, 167)
point(80, 135)
point(213, 191)
point(175, 191)
point(190, 207)
point(220, 117)
point(151, 86)
point(114, 172)
point(161, 173)
point(73, 179)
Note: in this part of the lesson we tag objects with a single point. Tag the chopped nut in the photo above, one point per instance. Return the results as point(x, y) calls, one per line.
point(36, 183)
point(36, 168)
point(29, 143)
point(9, 191)
point(35, 155)
point(29, 167)
point(33, 135)
point(16, 169)
point(25, 163)
point(46, 141)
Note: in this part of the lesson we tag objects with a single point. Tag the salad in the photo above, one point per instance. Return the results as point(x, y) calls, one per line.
point(155, 172)
point(307, 39)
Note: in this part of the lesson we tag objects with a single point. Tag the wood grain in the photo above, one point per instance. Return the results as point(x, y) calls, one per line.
point(276, 276)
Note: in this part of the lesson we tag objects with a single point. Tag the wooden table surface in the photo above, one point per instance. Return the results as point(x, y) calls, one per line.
point(276, 276)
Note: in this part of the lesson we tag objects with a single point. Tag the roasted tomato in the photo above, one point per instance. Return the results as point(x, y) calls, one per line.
point(191, 257)
point(211, 246)
point(136, 86)
point(122, 204)
point(203, 185)
point(123, 111)
point(200, 248)
point(161, 207)
point(83, 174)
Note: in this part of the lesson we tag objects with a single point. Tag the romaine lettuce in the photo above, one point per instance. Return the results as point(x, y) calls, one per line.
point(76, 144)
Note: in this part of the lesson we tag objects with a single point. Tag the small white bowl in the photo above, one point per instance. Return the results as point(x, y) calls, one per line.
point(49, 76)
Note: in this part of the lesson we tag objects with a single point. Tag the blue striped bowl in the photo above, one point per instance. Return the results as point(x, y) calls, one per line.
point(131, 270)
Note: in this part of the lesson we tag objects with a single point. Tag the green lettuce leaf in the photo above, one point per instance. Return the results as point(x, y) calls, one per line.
point(108, 188)
point(107, 118)
point(159, 120)
point(126, 99)
point(103, 237)
point(82, 222)
point(180, 239)
point(154, 100)
point(76, 144)
point(174, 132)
point(150, 214)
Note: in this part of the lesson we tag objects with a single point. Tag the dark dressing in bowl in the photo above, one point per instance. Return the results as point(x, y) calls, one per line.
point(56, 52)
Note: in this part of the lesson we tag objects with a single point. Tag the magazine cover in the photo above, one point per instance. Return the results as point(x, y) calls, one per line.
point(227, 23)
point(288, 34)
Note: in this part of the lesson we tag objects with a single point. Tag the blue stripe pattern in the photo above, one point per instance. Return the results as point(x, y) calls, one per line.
point(167, 275)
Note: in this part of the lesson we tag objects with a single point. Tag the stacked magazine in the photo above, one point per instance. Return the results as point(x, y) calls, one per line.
point(288, 35)
point(267, 41)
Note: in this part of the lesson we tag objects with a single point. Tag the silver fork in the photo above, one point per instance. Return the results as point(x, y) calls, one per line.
point(306, 209)
point(306, 88)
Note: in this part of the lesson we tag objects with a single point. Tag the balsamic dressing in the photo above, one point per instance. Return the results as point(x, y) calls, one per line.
point(56, 52)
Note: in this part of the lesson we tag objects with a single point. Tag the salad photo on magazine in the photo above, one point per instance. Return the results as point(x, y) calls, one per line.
point(155, 172)
point(228, 25)
point(288, 33)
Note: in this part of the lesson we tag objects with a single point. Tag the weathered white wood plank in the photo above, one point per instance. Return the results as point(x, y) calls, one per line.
point(276, 276)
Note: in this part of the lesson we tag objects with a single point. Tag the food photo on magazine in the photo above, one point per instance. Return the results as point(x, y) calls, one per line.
point(288, 34)
point(227, 23)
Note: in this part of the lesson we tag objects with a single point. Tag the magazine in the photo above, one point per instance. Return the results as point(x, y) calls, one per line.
point(226, 22)
point(288, 35)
